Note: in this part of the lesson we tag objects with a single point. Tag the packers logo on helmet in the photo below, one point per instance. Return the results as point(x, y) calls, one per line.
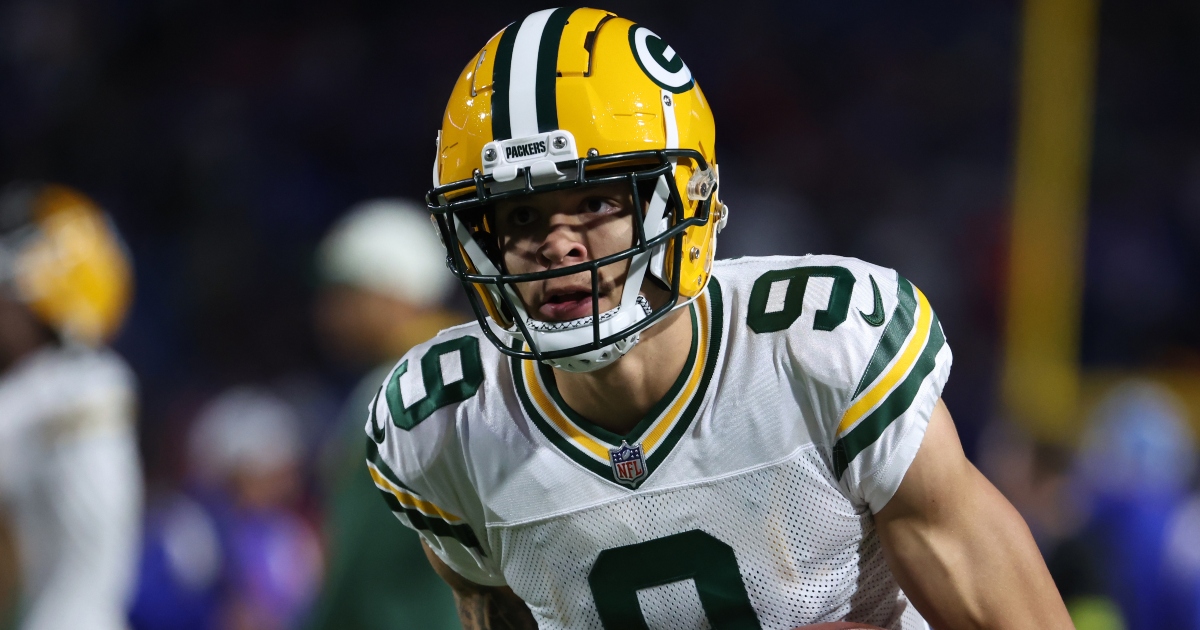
point(567, 98)
point(659, 60)
point(61, 256)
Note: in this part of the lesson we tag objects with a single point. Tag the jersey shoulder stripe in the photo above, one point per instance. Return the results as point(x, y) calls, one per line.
point(894, 335)
point(405, 503)
point(414, 454)
point(861, 372)
point(871, 414)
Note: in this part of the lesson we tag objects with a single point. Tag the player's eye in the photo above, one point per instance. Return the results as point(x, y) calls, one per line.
point(521, 216)
point(599, 205)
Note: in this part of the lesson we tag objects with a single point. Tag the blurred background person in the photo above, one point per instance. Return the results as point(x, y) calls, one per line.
point(383, 286)
point(1135, 470)
point(1039, 479)
point(233, 552)
point(1182, 555)
point(70, 480)
point(1116, 516)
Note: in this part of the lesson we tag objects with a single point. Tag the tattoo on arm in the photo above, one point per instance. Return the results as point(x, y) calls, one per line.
point(483, 607)
point(493, 609)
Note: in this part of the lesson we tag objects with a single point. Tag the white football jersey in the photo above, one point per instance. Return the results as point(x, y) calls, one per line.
point(71, 484)
point(742, 500)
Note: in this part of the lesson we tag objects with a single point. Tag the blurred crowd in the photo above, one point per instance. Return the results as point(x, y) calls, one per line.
point(237, 544)
point(232, 144)
point(1117, 517)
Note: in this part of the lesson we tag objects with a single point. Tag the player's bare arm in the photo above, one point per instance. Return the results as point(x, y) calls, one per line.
point(8, 567)
point(959, 549)
point(483, 607)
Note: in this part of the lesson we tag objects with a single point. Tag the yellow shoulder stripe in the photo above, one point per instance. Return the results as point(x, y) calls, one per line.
point(876, 394)
point(410, 500)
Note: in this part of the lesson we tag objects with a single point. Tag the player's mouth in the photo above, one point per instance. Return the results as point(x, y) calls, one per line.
point(564, 306)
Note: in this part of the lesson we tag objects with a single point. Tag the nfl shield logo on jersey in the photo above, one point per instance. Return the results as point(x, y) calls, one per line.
point(628, 464)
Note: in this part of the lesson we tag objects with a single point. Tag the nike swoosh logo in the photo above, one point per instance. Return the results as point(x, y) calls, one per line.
point(876, 317)
point(377, 432)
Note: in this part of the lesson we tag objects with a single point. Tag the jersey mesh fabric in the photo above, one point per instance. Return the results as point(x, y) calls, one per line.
point(805, 554)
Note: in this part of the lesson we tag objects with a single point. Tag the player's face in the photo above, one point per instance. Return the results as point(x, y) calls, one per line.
point(563, 228)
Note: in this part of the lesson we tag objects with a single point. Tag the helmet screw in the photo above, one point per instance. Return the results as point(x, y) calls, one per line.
point(559, 142)
point(489, 154)
point(593, 153)
point(667, 100)
point(704, 189)
point(695, 253)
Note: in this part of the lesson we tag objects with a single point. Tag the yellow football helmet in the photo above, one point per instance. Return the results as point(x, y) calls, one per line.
point(61, 256)
point(575, 97)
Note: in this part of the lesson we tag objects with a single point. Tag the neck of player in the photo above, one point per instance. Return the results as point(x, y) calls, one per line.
point(619, 396)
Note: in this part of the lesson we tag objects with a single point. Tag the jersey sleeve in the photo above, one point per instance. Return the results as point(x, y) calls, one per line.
point(873, 377)
point(416, 462)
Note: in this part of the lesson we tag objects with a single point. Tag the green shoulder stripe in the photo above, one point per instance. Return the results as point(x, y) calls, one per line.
point(461, 532)
point(377, 432)
point(893, 335)
point(897, 402)
point(374, 458)
point(458, 531)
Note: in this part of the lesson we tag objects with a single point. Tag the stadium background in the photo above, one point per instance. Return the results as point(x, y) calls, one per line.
point(226, 137)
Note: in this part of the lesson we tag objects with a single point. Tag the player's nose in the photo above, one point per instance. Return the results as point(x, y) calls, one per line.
point(562, 246)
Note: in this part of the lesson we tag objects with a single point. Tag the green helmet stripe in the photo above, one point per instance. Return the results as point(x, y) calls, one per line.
point(547, 69)
point(502, 67)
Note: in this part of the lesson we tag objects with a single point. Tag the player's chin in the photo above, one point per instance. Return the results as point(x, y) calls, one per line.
point(840, 625)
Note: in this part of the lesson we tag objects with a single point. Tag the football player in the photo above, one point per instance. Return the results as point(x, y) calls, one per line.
point(383, 285)
point(635, 436)
point(70, 481)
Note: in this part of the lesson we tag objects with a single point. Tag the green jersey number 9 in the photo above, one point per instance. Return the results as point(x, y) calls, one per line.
point(619, 573)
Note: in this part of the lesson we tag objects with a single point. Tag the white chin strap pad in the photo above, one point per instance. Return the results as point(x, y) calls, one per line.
point(596, 359)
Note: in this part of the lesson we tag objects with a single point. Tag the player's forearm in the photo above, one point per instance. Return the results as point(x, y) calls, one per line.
point(8, 569)
point(493, 609)
point(977, 566)
point(959, 549)
point(483, 607)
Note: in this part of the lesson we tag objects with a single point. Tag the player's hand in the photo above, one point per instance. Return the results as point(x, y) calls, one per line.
point(840, 625)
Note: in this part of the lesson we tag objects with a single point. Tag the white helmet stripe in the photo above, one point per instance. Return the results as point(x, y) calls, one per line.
point(522, 91)
point(653, 227)
point(672, 126)
point(658, 257)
